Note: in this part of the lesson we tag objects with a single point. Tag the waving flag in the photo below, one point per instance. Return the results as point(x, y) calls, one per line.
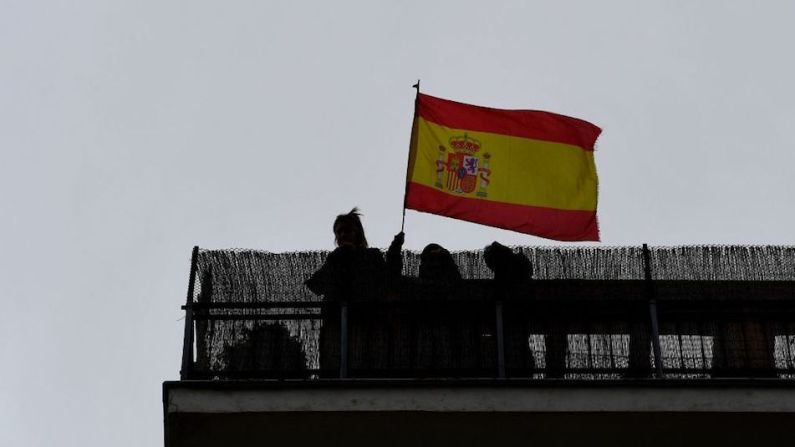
point(522, 170)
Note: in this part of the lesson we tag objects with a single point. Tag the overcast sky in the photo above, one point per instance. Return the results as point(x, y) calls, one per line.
point(131, 131)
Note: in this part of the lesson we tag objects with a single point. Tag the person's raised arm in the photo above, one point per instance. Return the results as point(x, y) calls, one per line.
point(394, 255)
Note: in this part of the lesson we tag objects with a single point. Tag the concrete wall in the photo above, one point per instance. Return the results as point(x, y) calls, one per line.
point(478, 413)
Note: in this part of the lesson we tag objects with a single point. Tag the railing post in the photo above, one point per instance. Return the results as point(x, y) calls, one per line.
point(343, 340)
point(500, 340)
point(655, 328)
point(187, 341)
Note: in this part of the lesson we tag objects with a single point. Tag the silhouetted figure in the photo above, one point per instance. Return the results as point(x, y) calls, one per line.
point(352, 272)
point(512, 270)
point(433, 338)
point(267, 350)
point(437, 265)
point(448, 337)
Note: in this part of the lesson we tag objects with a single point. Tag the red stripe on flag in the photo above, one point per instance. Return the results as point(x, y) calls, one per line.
point(533, 124)
point(550, 223)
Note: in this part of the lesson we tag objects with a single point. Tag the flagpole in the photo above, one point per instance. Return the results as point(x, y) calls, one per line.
point(408, 162)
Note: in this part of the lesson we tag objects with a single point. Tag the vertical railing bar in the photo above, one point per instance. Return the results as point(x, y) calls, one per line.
point(344, 340)
point(610, 347)
point(681, 351)
point(789, 344)
point(567, 354)
point(746, 347)
point(589, 360)
point(723, 330)
point(655, 329)
point(527, 369)
point(500, 340)
point(703, 352)
point(770, 337)
point(187, 341)
point(412, 312)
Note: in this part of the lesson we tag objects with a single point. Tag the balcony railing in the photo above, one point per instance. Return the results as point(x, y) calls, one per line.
point(588, 313)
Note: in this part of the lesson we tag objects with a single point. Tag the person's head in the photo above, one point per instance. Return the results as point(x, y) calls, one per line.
point(507, 265)
point(348, 230)
point(433, 250)
point(497, 256)
point(437, 264)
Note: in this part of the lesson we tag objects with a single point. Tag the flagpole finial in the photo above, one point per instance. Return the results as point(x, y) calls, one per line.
point(417, 86)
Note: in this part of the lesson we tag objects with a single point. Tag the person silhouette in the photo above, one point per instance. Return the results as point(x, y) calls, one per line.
point(352, 272)
point(436, 263)
point(511, 270)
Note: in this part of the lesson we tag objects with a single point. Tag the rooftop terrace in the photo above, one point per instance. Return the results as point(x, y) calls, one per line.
point(588, 314)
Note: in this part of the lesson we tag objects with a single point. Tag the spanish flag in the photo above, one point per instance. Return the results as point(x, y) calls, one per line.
point(522, 170)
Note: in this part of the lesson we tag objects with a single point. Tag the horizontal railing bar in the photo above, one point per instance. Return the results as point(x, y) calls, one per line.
point(304, 374)
point(426, 373)
point(727, 312)
point(463, 303)
point(260, 317)
point(318, 304)
point(258, 305)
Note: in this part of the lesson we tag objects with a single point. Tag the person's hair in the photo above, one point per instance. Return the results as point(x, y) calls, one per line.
point(430, 248)
point(351, 218)
point(506, 264)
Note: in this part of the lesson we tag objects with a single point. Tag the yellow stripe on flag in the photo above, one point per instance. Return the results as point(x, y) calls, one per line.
point(521, 171)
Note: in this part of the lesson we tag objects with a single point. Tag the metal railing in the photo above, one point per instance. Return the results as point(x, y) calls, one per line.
point(610, 329)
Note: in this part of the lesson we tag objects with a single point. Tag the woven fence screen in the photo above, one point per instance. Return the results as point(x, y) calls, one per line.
point(723, 310)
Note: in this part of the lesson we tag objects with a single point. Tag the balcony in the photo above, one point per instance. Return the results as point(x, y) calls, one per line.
point(588, 314)
point(635, 345)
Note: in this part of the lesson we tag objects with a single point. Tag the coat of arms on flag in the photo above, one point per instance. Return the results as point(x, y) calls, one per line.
point(464, 167)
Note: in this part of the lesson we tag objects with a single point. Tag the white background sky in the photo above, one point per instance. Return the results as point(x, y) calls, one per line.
point(132, 131)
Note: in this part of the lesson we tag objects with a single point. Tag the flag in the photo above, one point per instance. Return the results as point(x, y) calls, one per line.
point(522, 170)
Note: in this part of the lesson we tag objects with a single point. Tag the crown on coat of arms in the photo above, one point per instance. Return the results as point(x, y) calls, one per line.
point(464, 143)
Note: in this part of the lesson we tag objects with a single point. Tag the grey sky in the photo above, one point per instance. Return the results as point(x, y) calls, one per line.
point(131, 131)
